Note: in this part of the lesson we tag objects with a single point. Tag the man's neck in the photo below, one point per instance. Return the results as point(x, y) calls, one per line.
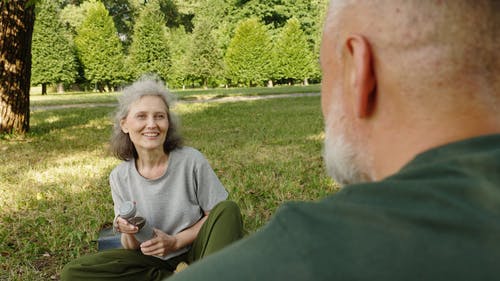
point(392, 150)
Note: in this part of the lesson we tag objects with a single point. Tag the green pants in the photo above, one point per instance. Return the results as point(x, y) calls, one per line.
point(222, 227)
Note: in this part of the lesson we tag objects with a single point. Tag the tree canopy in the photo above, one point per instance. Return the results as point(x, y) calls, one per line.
point(248, 58)
point(99, 48)
point(149, 52)
point(194, 42)
point(293, 58)
point(53, 58)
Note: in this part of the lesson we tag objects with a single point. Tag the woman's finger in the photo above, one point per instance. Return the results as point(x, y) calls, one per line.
point(123, 226)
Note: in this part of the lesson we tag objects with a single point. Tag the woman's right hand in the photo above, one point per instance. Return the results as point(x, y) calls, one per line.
point(127, 230)
point(123, 226)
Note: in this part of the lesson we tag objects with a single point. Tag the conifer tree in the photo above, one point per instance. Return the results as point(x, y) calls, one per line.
point(53, 58)
point(205, 56)
point(248, 57)
point(179, 45)
point(149, 52)
point(293, 57)
point(100, 49)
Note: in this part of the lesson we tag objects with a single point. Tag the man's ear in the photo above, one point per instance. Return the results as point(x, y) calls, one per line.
point(363, 76)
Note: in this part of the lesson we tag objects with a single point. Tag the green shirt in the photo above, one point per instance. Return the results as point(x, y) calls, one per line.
point(438, 218)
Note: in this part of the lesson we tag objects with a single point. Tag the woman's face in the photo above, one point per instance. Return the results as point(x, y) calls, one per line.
point(147, 124)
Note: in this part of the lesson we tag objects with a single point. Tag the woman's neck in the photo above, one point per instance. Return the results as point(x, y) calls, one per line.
point(152, 166)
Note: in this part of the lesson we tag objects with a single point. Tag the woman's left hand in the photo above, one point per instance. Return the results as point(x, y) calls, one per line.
point(161, 245)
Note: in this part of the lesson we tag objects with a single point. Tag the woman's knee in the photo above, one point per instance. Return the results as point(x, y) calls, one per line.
point(229, 209)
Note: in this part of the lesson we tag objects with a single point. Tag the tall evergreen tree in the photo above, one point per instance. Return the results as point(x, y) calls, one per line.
point(179, 45)
point(149, 52)
point(53, 58)
point(100, 49)
point(205, 56)
point(293, 58)
point(248, 57)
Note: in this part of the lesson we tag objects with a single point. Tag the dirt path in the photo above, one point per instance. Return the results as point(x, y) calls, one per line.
point(210, 100)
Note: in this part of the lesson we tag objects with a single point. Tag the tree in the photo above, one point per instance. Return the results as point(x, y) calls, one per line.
point(149, 52)
point(293, 57)
point(179, 45)
point(53, 58)
point(205, 56)
point(100, 49)
point(16, 29)
point(248, 57)
point(213, 24)
point(276, 13)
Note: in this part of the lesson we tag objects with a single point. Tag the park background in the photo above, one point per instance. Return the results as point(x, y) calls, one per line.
point(100, 46)
point(54, 190)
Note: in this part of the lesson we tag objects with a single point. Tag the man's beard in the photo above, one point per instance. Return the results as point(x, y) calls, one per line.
point(342, 159)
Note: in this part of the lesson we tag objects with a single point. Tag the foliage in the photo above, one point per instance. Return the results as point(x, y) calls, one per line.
point(293, 57)
point(179, 46)
point(53, 58)
point(223, 17)
point(205, 56)
point(99, 48)
point(149, 52)
point(276, 13)
point(63, 168)
point(248, 57)
point(73, 15)
point(205, 29)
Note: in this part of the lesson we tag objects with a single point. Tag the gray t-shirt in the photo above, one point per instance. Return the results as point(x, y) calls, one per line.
point(176, 200)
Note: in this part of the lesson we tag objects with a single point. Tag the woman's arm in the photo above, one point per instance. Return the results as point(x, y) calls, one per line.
point(127, 230)
point(164, 244)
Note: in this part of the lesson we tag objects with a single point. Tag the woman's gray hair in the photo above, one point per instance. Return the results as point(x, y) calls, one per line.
point(120, 145)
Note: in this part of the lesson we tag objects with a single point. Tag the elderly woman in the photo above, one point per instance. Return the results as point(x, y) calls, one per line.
point(172, 186)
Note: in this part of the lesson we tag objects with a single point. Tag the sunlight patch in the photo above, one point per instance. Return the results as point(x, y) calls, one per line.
point(318, 137)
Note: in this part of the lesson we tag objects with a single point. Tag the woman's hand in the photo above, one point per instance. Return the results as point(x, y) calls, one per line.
point(161, 245)
point(127, 230)
point(123, 226)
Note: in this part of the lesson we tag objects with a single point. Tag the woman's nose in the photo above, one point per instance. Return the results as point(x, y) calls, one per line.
point(151, 122)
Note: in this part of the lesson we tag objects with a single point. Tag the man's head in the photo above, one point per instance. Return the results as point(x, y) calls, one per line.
point(403, 76)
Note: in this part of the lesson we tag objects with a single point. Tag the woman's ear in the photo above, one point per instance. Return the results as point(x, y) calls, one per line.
point(123, 126)
point(364, 82)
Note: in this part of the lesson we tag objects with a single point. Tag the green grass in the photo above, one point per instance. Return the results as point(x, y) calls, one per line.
point(196, 94)
point(54, 192)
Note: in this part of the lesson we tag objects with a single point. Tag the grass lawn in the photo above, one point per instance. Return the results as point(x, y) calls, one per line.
point(54, 192)
point(36, 99)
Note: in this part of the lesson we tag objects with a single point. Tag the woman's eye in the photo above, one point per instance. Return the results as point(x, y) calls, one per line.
point(160, 116)
point(141, 116)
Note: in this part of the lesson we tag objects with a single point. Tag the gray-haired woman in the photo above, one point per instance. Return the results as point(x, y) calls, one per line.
point(172, 186)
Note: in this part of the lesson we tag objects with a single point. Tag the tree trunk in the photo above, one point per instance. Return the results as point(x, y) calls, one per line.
point(16, 28)
point(44, 89)
point(205, 83)
point(60, 88)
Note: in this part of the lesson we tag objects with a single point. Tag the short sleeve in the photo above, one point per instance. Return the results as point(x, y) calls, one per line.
point(115, 191)
point(210, 190)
